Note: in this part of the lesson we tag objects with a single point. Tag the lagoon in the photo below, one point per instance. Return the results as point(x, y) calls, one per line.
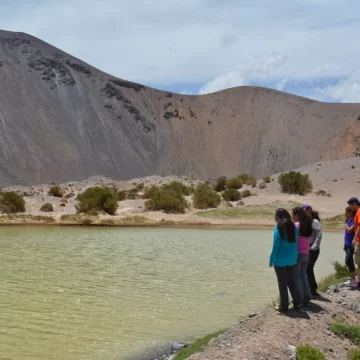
point(113, 293)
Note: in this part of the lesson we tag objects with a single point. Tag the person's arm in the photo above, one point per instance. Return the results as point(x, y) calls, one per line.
point(351, 228)
point(318, 233)
point(276, 246)
point(357, 235)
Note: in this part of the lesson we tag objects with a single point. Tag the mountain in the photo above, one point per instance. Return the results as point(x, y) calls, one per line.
point(62, 119)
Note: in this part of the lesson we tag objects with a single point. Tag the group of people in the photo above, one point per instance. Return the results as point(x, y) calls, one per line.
point(296, 248)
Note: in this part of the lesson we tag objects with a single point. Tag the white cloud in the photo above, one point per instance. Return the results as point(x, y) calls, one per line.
point(255, 69)
point(346, 90)
point(190, 42)
point(186, 92)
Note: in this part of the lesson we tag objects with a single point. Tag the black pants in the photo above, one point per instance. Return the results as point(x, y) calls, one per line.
point(349, 258)
point(286, 280)
point(313, 256)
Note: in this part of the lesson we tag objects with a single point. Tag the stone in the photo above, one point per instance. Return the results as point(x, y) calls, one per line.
point(178, 347)
point(252, 315)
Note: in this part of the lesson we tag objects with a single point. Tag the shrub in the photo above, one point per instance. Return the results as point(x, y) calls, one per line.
point(62, 204)
point(168, 200)
point(47, 208)
point(248, 179)
point(307, 352)
point(335, 180)
point(69, 195)
point(132, 194)
point(234, 183)
point(352, 166)
point(98, 199)
point(11, 202)
point(246, 193)
point(179, 188)
point(295, 183)
point(56, 190)
point(353, 354)
point(220, 184)
point(351, 332)
point(262, 185)
point(205, 197)
point(150, 191)
point(340, 270)
point(266, 179)
point(231, 195)
point(121, 195)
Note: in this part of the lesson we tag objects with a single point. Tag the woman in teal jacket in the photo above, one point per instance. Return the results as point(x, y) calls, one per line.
point(284, 258)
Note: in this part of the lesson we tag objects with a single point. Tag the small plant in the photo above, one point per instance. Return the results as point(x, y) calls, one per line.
point(205, 197)
point(11, 203)
point(246, 193)
point(353, 354)
point(335, 180)
point(234, 183)
point(132, 194)
point(266, 179)
point(56, 190)
point(150, 191)
point(220, 184)
point(351, 332)
point(168, 200)
point(231, 195)
point(248, 179)
point(340, 270)
point(121, 195)
point(295, 182)
point(352, 166)
point(62, 204)
point(307, 352)
point(69, 195)
point(179, 188)
point(97, 199)
point(262, 185)
point(47, 208)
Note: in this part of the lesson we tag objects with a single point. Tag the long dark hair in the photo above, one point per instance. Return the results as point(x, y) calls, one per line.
point(305, 221)
point(314, 214)
point(285, 225)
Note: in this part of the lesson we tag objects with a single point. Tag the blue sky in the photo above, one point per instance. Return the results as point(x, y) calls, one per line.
point(306, 47)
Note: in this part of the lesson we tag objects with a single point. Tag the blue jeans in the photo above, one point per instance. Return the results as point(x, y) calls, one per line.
point(349, 258)
point(302, 283)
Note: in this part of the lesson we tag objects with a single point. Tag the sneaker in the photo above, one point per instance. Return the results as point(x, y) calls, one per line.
point(356, 285)
point(353, 282)
point(279, 308)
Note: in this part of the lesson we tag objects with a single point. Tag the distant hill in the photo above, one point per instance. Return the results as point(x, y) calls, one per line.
point(61, 120)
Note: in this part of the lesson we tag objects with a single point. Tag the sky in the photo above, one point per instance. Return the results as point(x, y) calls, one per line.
point(306, 47)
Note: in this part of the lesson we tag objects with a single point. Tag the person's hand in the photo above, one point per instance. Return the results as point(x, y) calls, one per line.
point(270, 265)
point(353, 243)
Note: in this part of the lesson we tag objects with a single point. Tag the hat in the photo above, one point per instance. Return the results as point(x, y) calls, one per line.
point(307, 207)
point(354, 200)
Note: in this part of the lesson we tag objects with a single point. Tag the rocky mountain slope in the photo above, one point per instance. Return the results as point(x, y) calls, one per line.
point(63, 120)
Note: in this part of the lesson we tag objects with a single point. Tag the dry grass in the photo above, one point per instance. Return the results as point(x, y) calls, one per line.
point(266, 211)
point(28, 219)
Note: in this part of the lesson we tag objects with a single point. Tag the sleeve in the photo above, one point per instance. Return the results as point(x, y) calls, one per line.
point(318, 235)
point(276, 246)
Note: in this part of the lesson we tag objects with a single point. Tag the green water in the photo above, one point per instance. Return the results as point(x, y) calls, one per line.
point(95, 293)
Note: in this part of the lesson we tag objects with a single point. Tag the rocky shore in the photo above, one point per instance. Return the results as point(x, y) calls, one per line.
point(269, 335)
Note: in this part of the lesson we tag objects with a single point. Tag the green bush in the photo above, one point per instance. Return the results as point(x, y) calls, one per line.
point(266, 179)
point(351, 332)
point(295, 183)
point(220, 184)
point(150, 191)
point(353, 354)
point(246, 193)
point(340, 270)
point(234, 183)
point(97, 199)
point(262, 185)
point(179, 188)
point(248, 179)
point(56, 190)
point(168, 200)
point(70, 195)
point(307, 352)
point(205, 197)
point(132, 194)
point(121, 195)
point(47, 208)
point(11, 203)
point(231, 195)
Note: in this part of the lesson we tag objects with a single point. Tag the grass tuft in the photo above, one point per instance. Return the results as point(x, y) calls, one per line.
point(351, 332)
point(307, 352)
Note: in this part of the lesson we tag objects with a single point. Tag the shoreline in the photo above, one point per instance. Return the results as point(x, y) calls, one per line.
point(179, 225)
